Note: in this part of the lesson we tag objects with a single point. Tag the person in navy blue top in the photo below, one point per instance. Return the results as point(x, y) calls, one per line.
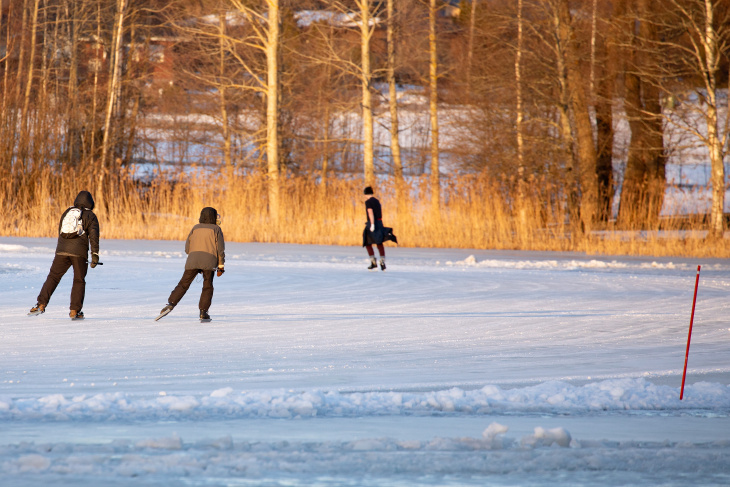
point(375, 233)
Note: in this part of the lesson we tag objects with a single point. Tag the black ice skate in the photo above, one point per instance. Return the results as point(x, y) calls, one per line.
point(382, 264)
point(165, 311)
point(373, 264)
point(204, 316)
point(37, 309)
point(76, 315)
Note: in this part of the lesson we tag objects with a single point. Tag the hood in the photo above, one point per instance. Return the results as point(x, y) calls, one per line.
point(84, 200)
point(208, 215)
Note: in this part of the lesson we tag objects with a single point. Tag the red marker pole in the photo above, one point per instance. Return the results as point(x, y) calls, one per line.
point(689, 336)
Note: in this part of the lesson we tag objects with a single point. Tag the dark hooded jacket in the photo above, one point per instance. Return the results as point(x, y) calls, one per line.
point(79, 246)
point(381, 233)
point(205, 246)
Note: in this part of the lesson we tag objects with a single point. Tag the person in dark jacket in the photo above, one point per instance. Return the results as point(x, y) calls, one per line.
point(375, 233)
point(206, 251)
point(72, 250)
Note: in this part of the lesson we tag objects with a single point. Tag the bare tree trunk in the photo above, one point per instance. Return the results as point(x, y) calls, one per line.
point(393, 105)
point(644, 182)
point(47, 49)
point(5, 59)
point(132, 134)
point(470, 47)
point(43, 120)
point(326, 106)
point(7, 129)
point(98, 56)
point(21, 55)
point(603, 102)
point(272, 108)
point(326, 143)
point(583, 127)
point(118, 45)
point(604, 147)
point(73, 131)
point(24, 139)
point(29, 80)
point(594, 33)
point(518, 88)
point(715, 143)
point(222, 94)
point(566, 129)
point(5, 167)
point(433, 106)
point(643, 185)
point(367, 106)
point(128, 117)
point(522, 216)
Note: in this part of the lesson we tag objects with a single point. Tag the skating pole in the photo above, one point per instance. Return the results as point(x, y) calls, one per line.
point(689, 336)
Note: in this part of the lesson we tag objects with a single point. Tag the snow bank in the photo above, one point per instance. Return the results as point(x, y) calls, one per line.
point(572, 264)
point(548, 398)
point(425, 462)
point(13, 248)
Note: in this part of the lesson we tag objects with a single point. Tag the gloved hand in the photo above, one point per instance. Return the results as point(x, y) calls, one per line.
point(372, 227)
point(94, 259)
point(220, 271)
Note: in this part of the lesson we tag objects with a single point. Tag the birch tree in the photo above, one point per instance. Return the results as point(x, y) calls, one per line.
point(470, 44)
point(18, 143)
point(4, 163)
point(561, 38)
point(266, 27)
point(574, 120)
point(360, 21)
point(393, 103)
point(433, 105)
point(31, 63)
point(251, 53)
point(6, 68)
point(366, 32)
point(700, 46)
point(115, 80)
point(518, 90)
point(519, 110)
point(222, 93)
point(272, 105)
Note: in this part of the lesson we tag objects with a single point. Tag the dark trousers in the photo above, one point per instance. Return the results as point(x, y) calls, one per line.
point(60, 265)
point(206, 296)
point(371, 253)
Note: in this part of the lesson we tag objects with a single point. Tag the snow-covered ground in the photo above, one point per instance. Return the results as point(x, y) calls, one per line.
point(453, 367)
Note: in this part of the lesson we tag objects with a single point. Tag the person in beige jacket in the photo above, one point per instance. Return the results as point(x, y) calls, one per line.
point(206, 251)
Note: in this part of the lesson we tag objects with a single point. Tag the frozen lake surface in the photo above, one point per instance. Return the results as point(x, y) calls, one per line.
point(453, 367)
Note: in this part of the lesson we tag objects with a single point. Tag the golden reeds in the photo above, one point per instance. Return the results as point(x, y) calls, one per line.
point(477, 212)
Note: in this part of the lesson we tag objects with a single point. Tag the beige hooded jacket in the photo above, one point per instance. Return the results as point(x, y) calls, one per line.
point(205, 245)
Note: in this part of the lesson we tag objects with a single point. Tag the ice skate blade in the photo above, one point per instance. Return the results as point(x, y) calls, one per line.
point(162, 315)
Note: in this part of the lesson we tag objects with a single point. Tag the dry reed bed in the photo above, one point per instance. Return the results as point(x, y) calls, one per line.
point(475, 212)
